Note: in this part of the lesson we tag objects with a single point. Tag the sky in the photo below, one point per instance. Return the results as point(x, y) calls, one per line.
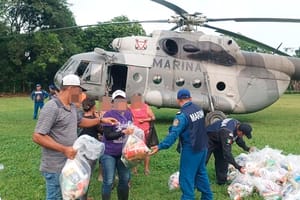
point(273, 34)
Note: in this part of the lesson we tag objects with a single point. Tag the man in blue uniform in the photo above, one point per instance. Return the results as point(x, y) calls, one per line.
point(189, 126)
point(222, 134)
point(38, 96)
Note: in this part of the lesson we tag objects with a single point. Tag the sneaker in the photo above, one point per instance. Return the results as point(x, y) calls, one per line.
point(100, 178)
point(147, 172)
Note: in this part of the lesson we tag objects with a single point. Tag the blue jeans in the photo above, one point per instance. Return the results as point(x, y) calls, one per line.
point(53, 191)
point(37, 106)
point(111, 164)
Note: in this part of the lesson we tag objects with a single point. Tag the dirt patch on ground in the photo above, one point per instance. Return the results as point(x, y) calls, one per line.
point(13, 95)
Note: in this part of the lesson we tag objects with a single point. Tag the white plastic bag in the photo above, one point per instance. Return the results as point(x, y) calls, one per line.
point(89, 147)
point(174, 181)
point(75, 178)
point(75, 175)
point(134, 150)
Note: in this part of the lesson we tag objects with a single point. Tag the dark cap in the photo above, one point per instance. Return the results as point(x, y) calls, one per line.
point(88, 103)
point(38, 85)
point(183, 94)
point(246, 129)
point(52, 87)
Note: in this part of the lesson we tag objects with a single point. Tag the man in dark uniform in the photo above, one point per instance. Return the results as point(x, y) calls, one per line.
point(222, 134)
point(189, 126)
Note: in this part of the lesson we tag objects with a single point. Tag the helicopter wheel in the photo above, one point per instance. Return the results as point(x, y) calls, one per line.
point(211, 117)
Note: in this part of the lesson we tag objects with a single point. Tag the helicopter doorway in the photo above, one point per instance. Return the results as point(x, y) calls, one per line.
point(117, 78)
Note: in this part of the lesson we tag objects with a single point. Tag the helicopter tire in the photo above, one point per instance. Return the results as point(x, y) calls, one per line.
point(211, 117)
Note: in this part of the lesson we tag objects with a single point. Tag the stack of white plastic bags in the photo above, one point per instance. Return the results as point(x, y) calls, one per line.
point(270, 173)
point(75, 175)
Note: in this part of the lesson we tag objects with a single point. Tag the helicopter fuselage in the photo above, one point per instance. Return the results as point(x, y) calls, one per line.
point(219, 75)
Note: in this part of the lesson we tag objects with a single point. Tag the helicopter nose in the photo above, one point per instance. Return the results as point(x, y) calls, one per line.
point(296, 63)
point(57, 79)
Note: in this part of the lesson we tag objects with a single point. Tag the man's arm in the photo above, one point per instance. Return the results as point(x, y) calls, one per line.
point(85, 122)
point(241, 143)
point(47, 142)
point(226, 142)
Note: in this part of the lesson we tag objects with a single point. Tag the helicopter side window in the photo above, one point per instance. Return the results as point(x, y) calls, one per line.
point(221, 86)
point(180, 82)
point(81, 68)
point(197, 83)
point(157, 79)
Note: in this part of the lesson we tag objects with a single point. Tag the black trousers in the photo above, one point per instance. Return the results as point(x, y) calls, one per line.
point(215, 147)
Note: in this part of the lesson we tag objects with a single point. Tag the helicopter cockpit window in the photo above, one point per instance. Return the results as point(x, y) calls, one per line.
point(69, 67)
point(81, 68)
point(157, 79)
point(93, 73)
point(69, 62)
point(180, 82)
point(221, 86)
point(197, 83)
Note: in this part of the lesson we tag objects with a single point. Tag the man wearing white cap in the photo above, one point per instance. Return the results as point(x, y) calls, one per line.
point(56, 131)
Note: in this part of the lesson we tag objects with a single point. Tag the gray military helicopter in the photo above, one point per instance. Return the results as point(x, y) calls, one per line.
point(222, 78)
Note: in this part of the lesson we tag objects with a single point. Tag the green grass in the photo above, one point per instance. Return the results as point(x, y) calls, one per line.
point(276, 126)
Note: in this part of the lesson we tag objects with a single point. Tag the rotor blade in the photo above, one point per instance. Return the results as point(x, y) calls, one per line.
point(290, 20)
point(105, 23)
point(174, 28)
point(88, 25)
point(247, 39)
point(173, 7)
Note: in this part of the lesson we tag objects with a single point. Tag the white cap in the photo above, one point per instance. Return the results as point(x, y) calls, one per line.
point(118, 93)
point(72, 80)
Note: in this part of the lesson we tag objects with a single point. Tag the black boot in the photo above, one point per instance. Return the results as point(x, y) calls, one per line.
point(123, 194)
point(105, 196)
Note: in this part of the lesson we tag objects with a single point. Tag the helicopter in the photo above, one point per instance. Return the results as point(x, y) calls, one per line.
point(222, 78)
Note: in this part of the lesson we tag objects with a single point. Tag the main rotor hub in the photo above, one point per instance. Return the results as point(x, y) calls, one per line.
point(196, 19)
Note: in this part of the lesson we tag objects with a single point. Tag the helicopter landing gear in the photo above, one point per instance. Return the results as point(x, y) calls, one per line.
point(213, 116)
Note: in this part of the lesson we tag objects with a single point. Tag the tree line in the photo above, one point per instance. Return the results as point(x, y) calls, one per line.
point(37, 37)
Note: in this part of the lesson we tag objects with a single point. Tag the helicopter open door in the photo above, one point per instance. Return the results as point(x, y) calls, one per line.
point(131, 79)
point(116, 78)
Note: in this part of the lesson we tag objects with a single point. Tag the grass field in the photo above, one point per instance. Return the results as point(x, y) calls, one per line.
point(276, 126)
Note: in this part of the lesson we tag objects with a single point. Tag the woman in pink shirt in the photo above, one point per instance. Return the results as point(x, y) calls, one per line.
point(142, 116)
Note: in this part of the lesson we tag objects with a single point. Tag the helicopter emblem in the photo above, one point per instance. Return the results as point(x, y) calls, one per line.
point(140, 44)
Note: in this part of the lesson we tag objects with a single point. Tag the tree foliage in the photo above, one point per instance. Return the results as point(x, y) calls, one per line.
point(27, 48)
point(36, 40)
point(103, 35)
